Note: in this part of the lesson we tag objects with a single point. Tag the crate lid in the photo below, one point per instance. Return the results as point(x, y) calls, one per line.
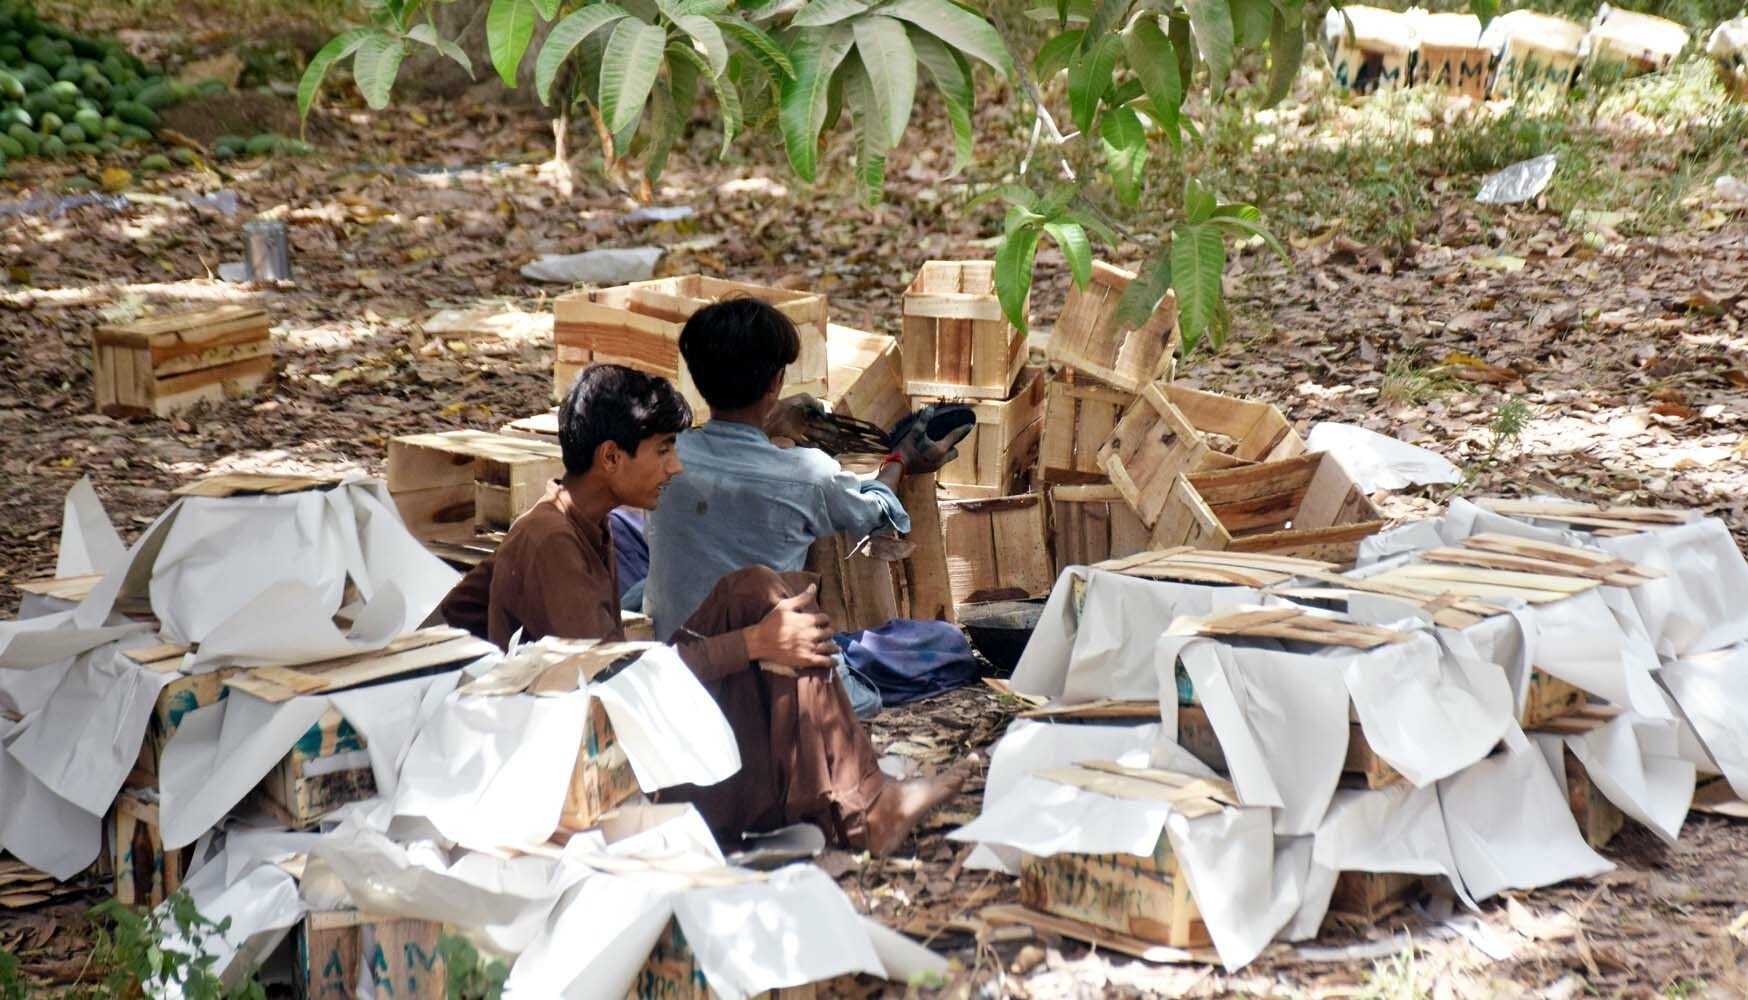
point(206, 323)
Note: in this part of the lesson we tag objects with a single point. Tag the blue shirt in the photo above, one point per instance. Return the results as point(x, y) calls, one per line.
point(742, 501)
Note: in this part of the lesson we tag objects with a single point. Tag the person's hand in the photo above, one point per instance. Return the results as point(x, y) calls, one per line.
point(791, 417)
point(928, 441)
point(792, 637)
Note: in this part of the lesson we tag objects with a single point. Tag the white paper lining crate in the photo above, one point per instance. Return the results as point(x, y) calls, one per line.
point(156, 367)
point(1171, 430)
point(452, 485)
point(1598, 818)
point(1088, 338)
point(638, 325)
point(1538, 53)
point(1622, 41)
point(997, 549)
point(1305, 506)
point(1728, 46)
point(997, 457)
point(1093, 523)
point(866, 377)
point(956, 342)
point(1080, 413)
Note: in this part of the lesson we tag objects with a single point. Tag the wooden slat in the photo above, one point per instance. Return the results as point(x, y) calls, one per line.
point(231, 484)
point(1584, 513)
point(1294, 624)
point(1104, 709)
point(1557, 583)
point(417, 651)
point(1601, 565)
point(1014, 914)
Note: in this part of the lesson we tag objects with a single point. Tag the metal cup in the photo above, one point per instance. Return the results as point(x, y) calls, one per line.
point(267, 251)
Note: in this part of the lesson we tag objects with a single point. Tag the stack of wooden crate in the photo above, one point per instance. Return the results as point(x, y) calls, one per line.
point(638, 325)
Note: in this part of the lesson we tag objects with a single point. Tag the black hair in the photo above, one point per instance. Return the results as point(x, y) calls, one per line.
point(734, 348)
point(617, 404)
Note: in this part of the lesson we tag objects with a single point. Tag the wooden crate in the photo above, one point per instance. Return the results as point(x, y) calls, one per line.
point(1372, 896)
point(159, 366)
point(955, 341)
point(997, 457)
point(453, 485)
point(602, 779)
point(401, 953)
point(1538, 56)
point(1146, 898)
point(672, 973)
point(1088, 338)
point(1090, 524)
point(1361, 768)
point(855, 591)
point(1630, 43)
point(177, 698)
point(1549, 698)
point(922, 581)
point(1080, 413)
point(145, 873)
point(1171, 430)
point(1305, 506)
point(327, 768)
point(1367, 66)
point(866, 376)
point(1460, 69)
point(638, 325)
point(997, 549)
point(1598, 818)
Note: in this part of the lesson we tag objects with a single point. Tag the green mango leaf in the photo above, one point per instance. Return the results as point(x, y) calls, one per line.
point(1089, 77)
point(548, 8)
point(1212, 21)
point(869, 114)
point(628, 71)
point(375, 66)
point(1198, 263)
point(667, 126)
point(509, 28)
point(728, 101)
point(705, 8)
point(1286, 51)
point(760, 46)
point(1082, 212)
point(1183, 46)
point(1105, 16)
point(708, 38)
point(1486, 10)
point(952, 77)
point(1250, 227)
point(1250, 21)
point(1013, 194)
point(1199, 205)
point(1054, 54)
point(565, 37)
point(1151, 59)
point(1125, 146)
point(819, 13)
point(338, 48)
point(1076, 248)
point(426, 33)
point(1135, 307)
point(889, 63)
point(957, 27)
point(805, 98)
point(1013, 273)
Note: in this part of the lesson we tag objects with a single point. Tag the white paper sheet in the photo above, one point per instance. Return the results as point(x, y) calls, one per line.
point(89, 542)
point(1243, 898)
point(598, 938)
point(1395, 829)
point(1712, 691)
point(672, 730)
point(45, 641)
point(1034, 744)
point(39, 827)
point(1109, 654)
point(1377, 462)
point(1636, 763)
point(1045, 818)
point(1698, 607)
point(262, 906)
point(88, 735)
point(1510, 826)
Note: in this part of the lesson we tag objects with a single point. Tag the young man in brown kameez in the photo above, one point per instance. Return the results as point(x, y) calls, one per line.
point(757, 642)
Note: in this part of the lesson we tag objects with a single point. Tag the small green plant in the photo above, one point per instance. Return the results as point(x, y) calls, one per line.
point(1405, 382)
point(11, 977)
point(468, 975)
point(1395, 978)
point(1507, 425)
point(1684, 988)
point(166, 946)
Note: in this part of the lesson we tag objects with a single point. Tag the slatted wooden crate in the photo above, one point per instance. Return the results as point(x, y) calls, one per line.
point(1093, 523)
point(922, 580)
point(145, 873)
point(1361, 768)
point(1538, 55)
point(955, 340)
point(1371, 896)
point(672, 973)
point(1631, 43)
point(856, 591)
point(1088, 338)
point(1370, 49)
point(602, 779)
point(401, 954)
point(997, 457)
point(329, 767)
point(1171, 430)
point(1147, 898)
point(638, 325)
point(997, 549)
point(1460, 69)
point(1080, 413)
point(160, 366)
point(866, 376)
point(452, 485)
point(1305, 506)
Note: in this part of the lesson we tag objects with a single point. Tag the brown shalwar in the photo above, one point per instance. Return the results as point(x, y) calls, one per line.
point(804, 754)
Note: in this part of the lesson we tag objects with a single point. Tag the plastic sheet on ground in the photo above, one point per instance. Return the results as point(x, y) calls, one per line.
point(1377, 462)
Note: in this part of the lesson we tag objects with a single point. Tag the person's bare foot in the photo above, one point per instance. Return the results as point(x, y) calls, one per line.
point(901, 805)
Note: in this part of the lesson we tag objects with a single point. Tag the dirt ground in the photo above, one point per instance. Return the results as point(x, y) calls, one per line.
point(1627, 352)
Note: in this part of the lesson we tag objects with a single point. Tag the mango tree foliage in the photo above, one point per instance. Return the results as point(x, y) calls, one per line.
point(806, 66)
